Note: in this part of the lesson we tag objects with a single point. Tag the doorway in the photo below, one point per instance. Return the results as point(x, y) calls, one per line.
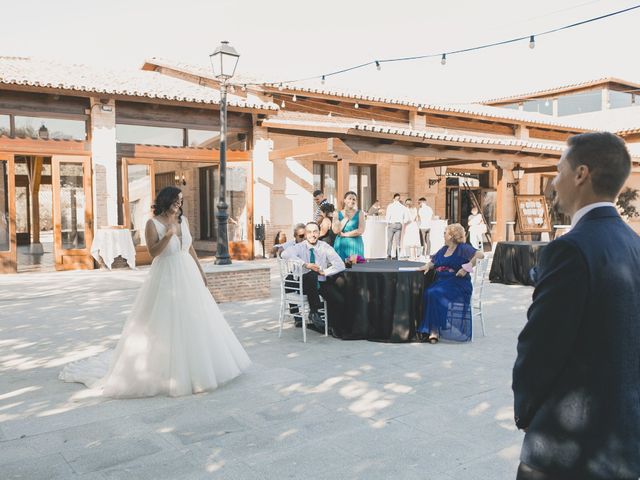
point(34, 214)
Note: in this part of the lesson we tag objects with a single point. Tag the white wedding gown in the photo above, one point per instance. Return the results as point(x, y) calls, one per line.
point(175, 341)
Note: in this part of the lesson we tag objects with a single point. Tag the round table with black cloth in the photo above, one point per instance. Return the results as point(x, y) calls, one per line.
point(382, 303)
point(513, 261)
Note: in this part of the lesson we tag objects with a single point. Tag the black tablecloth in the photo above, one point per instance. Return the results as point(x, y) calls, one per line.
point(382, 303)
point(512, 262)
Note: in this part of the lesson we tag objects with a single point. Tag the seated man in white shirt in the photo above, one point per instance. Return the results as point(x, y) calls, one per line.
point(320, 262)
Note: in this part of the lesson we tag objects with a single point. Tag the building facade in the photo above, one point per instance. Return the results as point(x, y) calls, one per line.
point(82, 149)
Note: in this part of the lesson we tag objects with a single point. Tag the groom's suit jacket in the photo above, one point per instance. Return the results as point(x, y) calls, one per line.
point(576, 380)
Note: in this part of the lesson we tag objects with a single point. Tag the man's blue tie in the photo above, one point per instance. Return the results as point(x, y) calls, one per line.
point(312, 256)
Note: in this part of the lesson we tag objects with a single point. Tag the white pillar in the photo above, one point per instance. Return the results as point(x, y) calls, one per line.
point(104, 163)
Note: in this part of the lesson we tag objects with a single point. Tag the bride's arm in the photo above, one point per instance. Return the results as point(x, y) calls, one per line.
point(156, 245)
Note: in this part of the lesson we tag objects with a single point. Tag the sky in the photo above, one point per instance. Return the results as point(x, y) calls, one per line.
point(290, 39)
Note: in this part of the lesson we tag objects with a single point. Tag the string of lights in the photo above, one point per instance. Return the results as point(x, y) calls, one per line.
point(443, 55)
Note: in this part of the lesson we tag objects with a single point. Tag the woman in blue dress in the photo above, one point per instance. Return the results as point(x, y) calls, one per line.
point(348, 226)
point(447, 301)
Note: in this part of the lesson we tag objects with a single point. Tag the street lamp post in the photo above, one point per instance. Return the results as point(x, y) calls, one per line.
point(224, 61)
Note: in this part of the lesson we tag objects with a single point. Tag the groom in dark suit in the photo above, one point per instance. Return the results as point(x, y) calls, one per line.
point(576, 380)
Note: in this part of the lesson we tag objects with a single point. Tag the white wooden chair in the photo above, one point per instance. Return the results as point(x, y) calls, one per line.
point(291, 279)
point(480, 272)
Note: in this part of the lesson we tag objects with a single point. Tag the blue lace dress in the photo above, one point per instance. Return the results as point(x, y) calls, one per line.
point(447, 301)
point(347, 246)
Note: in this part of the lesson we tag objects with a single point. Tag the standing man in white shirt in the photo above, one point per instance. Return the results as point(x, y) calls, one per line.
point(320, 262)
point(396, 217)
point(425, 214)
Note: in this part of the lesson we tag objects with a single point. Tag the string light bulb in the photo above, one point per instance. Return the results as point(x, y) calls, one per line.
point(532, 42)
point(378, 66)
point(356, 106)
point(322, 80)
point(283, 104)
point(295, 99)
point(443, 60)
point(244, 88)
point(280, 87)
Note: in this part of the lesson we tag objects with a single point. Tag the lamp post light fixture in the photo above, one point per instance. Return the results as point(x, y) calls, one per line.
point(224, 61)
point(518, 173)
point(441, 172)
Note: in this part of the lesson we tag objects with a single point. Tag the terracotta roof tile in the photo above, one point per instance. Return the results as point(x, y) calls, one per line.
point(136, 83)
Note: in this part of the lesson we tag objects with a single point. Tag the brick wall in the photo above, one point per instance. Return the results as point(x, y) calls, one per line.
point(228, 285)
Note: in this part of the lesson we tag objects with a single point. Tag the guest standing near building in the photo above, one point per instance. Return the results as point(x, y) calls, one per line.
point(375, 208)
point(576, 380)
point(411, 231)
point(477, 228)
point(327, 234)
point(349, 226)
point(396, 215)
point(318, 199)
point(425, 215)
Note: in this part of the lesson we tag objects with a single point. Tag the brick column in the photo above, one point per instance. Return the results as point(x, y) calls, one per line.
point(104, 163)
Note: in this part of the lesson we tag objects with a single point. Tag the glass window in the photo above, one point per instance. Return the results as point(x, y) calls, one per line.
point(620, 99)
point(580, 103)
point(510, 106)
point(146, 135)
point(362, 181)
point(237, 186)
point(544, 106)
point(139, 186)
point(72, 205)
point(54, 128)
point(204, 139)
point(5, 125)
point(4, 206)
point(325, 178)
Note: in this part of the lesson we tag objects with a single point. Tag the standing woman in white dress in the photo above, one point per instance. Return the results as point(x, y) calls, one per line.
point(411, 234)
point(176, 340)
point(477, 228)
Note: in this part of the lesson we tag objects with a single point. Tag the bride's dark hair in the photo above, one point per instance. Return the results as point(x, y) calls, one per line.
point(165, 198)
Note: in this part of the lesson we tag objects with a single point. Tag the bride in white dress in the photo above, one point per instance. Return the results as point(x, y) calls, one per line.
point(176, 340)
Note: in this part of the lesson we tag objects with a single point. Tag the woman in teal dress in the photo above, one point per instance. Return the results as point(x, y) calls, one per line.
point(349, 225)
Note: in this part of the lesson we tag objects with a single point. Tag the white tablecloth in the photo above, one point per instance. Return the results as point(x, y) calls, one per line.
point(111, 242)
point(436, 235)
point(375, 237)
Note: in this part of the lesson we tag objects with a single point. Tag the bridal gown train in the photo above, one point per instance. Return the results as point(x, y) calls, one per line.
point(175, 340)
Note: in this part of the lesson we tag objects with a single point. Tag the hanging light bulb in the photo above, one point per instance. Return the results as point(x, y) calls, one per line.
point(329, 115)
point(244, 88)
point(532, 42)
point(378, 66)
point(546, 102)
point(280, 87)
point(283, 104)
point(322, 80)
point(295, 99)
point(356, 106)
point(443, 60)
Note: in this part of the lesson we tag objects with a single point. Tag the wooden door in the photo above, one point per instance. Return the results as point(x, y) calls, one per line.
point(72, 212)
point(8, 246)
point(138, 188)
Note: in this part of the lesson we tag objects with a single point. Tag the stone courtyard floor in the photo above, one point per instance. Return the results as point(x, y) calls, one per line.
point(327, 409)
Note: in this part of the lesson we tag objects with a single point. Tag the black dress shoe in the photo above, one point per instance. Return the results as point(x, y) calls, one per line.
point(317, 321)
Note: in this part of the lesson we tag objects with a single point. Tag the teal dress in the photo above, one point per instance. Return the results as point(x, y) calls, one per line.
point(347, 246)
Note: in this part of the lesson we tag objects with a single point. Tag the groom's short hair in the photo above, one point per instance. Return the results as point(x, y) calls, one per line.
point(312, 223)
